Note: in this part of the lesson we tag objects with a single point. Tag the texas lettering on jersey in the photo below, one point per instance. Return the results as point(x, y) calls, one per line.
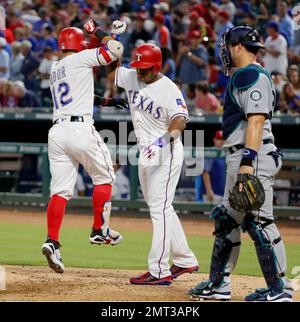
point(141, 102)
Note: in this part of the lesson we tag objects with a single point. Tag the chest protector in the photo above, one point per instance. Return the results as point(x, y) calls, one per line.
point(241, 80)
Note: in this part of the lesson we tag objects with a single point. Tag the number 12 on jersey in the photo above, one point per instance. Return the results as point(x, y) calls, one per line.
point(63, 90)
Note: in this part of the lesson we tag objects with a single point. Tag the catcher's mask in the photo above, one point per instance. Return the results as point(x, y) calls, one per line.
point(245, 35)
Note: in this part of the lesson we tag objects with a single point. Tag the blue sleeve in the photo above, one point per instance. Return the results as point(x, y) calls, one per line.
point(208, 164)
point(203, 54)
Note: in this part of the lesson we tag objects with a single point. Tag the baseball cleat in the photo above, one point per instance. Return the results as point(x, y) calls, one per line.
point(177, 271)
point(51, 250)
point(269, 295)
point(111, 237)
point(148, 279)
point(206, 290)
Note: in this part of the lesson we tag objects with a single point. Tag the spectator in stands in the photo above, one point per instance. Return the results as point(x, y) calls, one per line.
point(27, 35)
point(44, 74)
point(82, 16)
point(275, 57)
point(168, 64)
point(19, 34)
point(251, 20)
point(16, 62)
point(242, 11)
point(279, 82)
point(178, 29)
point(293, 77)
point(139, 31)
point(7, 98)
point(208, 10)
point(162, 36)
point(30, 66)
point(192, 60)
point(14, 20)
point(197, 23)
point(222, 24)
point(189, 94)
point(260, 9)
point(163, 8)
point(47, 39)
point(214, 174)
point(4, 60)
point(45, 19)
point(228, 6)
point(25, 97)
point(205, 101)
point(285, 22)
point(289, 100)
point(213, 72)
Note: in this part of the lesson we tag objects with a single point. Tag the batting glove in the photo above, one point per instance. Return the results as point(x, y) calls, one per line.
point(118, 28)
point(91, 26)
point(154, 148)
point(111, 101)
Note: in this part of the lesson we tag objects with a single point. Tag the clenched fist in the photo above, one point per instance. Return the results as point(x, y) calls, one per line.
point(118, 27)
point(90, 26)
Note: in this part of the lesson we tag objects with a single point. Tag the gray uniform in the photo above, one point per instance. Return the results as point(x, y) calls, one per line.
point(253, 96)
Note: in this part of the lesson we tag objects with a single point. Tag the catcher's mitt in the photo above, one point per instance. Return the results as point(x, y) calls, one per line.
point(251, 198)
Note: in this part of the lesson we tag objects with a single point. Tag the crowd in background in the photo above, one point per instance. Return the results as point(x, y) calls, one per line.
point(186, 31)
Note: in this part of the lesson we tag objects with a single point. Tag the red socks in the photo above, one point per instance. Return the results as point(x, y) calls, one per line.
point(55, 213)
point(101, 195)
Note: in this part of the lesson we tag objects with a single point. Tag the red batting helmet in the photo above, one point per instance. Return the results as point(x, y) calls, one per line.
point(72, 38)
point(147, 56)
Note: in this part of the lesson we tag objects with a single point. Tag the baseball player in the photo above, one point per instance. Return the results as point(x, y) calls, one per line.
point(159, 115)
point(73, 138)
point(251, 153)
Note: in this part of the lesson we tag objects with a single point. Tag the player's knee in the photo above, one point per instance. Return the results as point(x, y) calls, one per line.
point(255, 231)
point(64, 194)
point(224, 223)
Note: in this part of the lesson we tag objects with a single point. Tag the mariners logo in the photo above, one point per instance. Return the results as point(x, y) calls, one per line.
point(255, 95)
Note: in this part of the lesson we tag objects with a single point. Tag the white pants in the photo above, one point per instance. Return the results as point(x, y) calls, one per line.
point(71, 143)
point(158, 183)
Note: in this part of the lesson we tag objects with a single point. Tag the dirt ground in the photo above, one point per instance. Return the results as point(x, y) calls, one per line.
point(27, 283)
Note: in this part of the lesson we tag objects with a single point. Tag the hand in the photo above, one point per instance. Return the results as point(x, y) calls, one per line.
point(183, 49)
point(245, 169)
point(111, 101)
point(210, 196)
point(90, 26)
point(154, 148)
point(118, 27)
point(118, 102)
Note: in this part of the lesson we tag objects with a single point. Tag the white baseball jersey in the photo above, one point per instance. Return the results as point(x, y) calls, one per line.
point(72, 84)
point(71, 142)
point(153, 106)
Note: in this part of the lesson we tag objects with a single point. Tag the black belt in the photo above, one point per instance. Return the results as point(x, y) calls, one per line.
point(72, 119)
point(237, 147)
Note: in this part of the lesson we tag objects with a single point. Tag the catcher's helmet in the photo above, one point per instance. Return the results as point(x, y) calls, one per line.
point(72, 38)
point(245, 35)
point(146, 56)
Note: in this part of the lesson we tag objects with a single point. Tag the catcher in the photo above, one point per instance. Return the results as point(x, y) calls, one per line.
point(252, 162)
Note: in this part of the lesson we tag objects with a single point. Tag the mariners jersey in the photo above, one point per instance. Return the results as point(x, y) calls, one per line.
point(72, 84)
point(152, 106)
point(250, 91)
